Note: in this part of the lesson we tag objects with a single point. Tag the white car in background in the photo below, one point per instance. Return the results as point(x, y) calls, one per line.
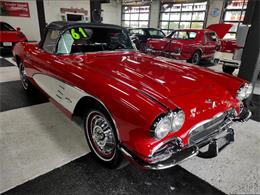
point(230, 53)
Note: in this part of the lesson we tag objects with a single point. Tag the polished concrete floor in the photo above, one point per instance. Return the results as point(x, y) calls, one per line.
point(36, 138)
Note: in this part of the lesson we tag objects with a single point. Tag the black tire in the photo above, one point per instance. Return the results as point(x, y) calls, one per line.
point(96, 137)
point(26, 84)
point(195, 58)
point(228, 69)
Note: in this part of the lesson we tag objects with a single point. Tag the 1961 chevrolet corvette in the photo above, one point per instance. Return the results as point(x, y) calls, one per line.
point(155, 111)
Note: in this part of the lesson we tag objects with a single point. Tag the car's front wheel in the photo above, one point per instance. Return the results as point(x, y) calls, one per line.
point(102, 137)
point(24, 79)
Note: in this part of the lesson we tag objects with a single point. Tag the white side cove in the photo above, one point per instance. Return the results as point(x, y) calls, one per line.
point(61, 92)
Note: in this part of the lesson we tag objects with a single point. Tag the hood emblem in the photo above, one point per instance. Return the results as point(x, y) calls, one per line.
point(193, 112)
point(208, 101)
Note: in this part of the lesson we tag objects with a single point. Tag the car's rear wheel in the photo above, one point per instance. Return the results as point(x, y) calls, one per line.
point(196, 57)
point(228, 69)
point(24, 79)
point(102, 137)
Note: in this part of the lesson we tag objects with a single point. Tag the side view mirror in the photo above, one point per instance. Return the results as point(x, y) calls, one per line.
point(18, 29)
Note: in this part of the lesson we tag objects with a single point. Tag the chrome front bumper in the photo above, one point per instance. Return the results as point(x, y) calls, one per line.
point(173, 153)
point(227, 59)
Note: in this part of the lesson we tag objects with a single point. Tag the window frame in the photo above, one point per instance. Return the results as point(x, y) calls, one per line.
point(158, 30)
point(206, 38)
point(136, 29)
point(41, 44)
point(124, 31)
point(138, 21)
point(238, 22)
point(181, 31)
point(8, 25)
point(180, 12)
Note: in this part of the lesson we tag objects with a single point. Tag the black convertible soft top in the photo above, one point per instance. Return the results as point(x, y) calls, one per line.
point(64, 25)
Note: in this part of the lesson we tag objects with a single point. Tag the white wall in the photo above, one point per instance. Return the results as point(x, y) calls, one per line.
point(29, 26)
point(52, 8)
point(212, 5)
point(112, 12)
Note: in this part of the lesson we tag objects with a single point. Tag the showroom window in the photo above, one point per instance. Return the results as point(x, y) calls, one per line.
point(234, 14)
point(135, 16)
point(182, 15)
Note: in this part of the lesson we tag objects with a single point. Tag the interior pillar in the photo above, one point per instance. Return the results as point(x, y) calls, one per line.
point(250, 61)
point(95, 11)
point(41, 16)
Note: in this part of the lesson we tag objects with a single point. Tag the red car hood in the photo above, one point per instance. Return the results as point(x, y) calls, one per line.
point(220, 29)
point(11, 36)
point(164, 81)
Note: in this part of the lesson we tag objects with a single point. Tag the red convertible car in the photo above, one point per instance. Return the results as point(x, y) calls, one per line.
point(9, 36)
point(154, 111)
point(190, 44)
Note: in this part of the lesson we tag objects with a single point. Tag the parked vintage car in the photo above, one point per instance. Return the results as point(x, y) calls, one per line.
point(155, 111)
point(9, 36)
point(140, 36)
point(192, 45)
point(225, 56)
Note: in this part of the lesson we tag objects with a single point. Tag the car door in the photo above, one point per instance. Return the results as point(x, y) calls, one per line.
point(48, 75)
point(210, 40)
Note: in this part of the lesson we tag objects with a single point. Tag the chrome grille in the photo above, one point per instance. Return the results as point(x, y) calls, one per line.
point(206, 128)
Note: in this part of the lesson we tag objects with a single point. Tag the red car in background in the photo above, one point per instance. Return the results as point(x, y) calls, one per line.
point(192, 45)
point(9, 36)
point(155, 111)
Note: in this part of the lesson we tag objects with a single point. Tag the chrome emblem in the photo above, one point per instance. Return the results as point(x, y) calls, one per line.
point(193, 112)
point(208, 101)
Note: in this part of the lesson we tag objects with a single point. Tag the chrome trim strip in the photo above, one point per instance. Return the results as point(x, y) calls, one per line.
point(161, 166)
point(164, 142)
point(204, 122)
point(194, 150)
point(82, 92)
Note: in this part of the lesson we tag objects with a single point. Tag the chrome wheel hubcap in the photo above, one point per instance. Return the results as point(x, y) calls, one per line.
point(195, 59)
point(23, 77)
point(102, 135)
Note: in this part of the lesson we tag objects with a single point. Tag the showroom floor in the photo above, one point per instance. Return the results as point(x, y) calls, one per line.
point(44, 152)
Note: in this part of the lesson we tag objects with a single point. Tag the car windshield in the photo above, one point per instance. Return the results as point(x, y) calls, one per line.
point(184, 35)
point(6, 27)
point(93, 39)
point(136, 32)
point(156, 33)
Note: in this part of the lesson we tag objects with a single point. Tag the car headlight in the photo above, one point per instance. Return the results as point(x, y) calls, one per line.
point(171, 122)
point(177, 120)
point(245, 91)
